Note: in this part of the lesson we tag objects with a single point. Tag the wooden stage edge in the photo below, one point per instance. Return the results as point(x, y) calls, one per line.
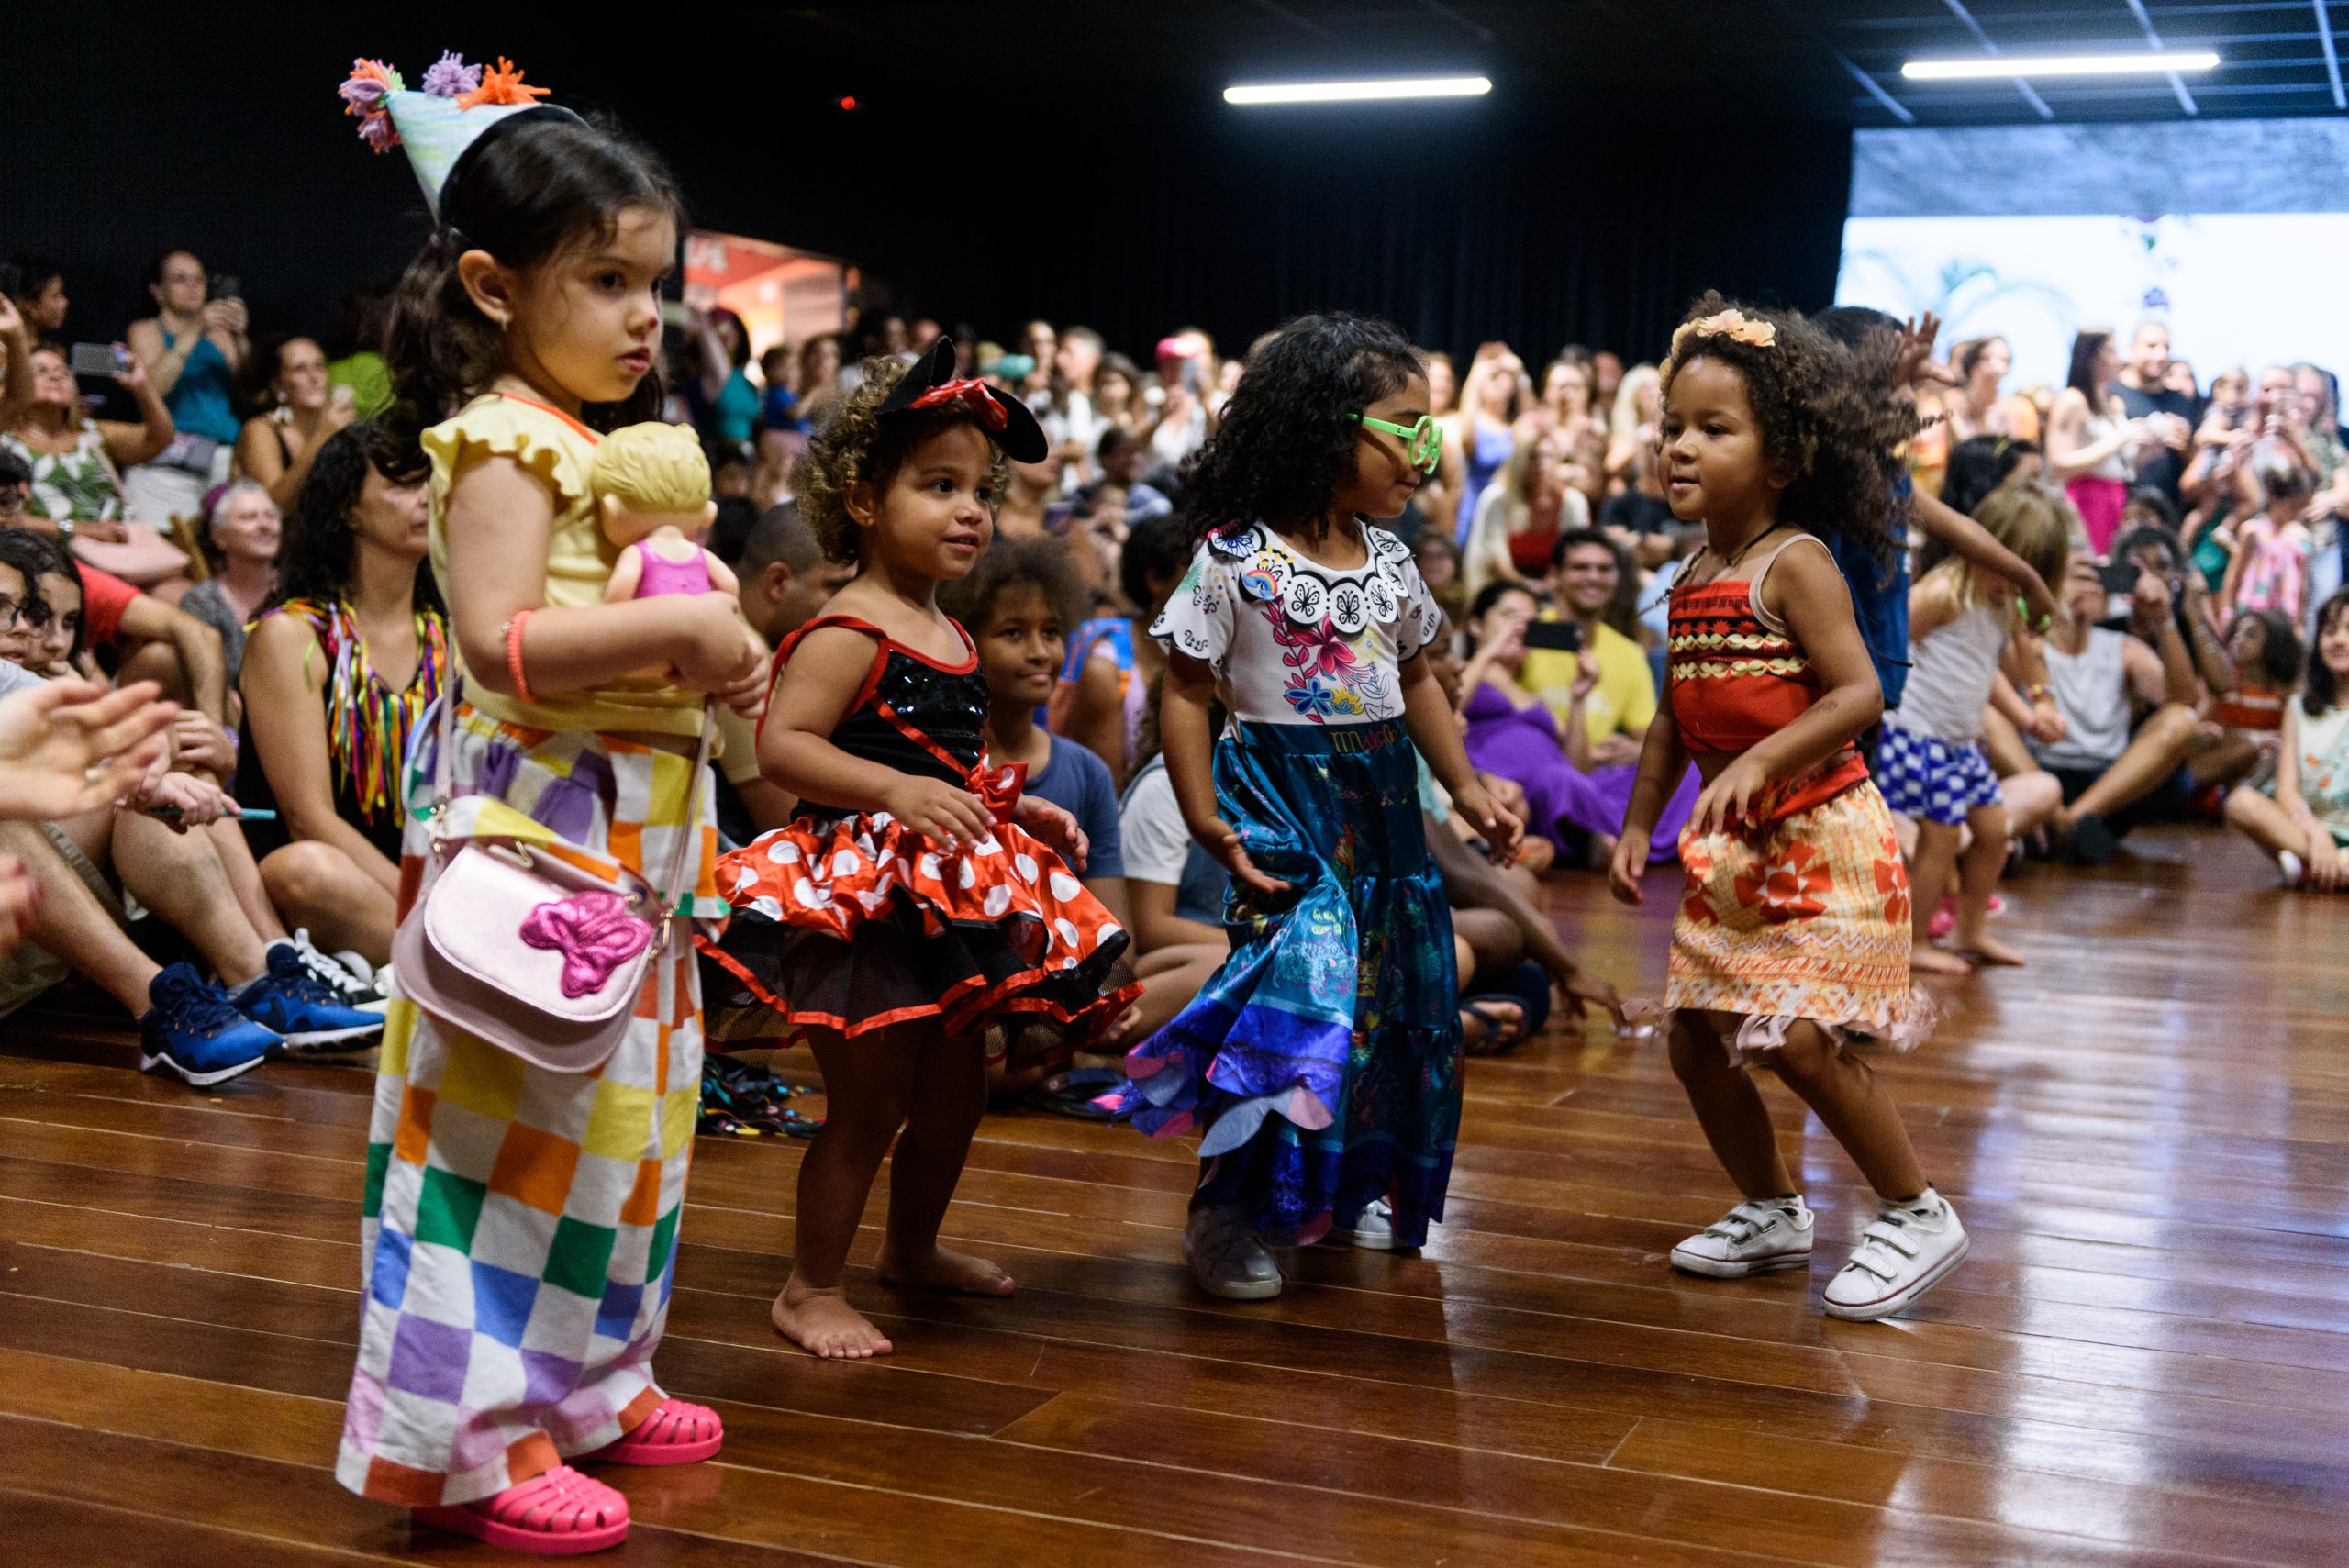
point(2144, 1361)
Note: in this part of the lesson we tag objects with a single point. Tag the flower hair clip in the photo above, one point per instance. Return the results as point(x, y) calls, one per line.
point(1734, 325)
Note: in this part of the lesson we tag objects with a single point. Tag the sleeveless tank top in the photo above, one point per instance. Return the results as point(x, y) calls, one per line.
point(1737, 678)
point(912, 714)
point(662, 575)
point(199, 399)
point(1952, 671)
point(2115, 465)
point(2092, 691)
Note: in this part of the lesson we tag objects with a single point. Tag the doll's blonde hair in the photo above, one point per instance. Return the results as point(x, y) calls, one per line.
point(654, 468)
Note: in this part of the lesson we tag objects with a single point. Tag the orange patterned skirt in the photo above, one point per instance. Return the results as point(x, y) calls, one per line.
point(1804, 918)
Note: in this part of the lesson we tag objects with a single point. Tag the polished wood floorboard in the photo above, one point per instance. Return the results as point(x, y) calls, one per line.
point(2145, 1359)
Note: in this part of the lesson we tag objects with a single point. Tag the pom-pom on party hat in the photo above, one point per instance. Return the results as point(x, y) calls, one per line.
point(440, 122)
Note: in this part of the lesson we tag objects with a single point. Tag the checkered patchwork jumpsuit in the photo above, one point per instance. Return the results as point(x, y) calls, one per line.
point(519, 1231)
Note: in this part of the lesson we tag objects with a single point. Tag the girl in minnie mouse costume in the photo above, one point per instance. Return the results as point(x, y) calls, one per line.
point(911, 901)
point(1321, 1062)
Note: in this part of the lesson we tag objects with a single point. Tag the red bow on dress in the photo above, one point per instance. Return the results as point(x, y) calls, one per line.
point(997, 787)
point(977, 393)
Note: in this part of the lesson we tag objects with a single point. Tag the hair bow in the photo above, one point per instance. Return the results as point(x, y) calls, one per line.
point(980, 398)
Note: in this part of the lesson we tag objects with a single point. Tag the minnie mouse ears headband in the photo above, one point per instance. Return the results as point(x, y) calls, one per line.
point(930, 385)
point(443, 122)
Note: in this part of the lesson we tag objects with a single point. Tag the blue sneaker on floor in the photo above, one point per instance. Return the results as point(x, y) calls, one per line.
point(295, 1002)
point(193, 1033)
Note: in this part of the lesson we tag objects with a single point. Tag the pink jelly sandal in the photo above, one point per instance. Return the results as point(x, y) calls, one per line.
point(558, 1513)
point(675, 1433)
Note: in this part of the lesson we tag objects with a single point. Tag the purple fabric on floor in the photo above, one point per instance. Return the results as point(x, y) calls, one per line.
point(1522, 744)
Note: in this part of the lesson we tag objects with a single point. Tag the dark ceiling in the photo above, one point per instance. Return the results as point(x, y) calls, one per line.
point(1831, 59)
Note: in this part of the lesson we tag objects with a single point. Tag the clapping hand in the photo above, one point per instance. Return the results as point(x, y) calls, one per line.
point(72, 745)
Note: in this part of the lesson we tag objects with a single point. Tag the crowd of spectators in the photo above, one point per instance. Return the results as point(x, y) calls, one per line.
point(204, 515)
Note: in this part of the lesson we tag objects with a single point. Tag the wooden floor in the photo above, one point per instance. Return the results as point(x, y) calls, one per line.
point(2145, 1359)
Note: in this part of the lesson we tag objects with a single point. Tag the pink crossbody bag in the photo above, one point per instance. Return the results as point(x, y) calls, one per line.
point(536, 944)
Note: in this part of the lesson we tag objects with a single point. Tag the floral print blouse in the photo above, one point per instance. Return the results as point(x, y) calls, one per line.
point(1296, 643)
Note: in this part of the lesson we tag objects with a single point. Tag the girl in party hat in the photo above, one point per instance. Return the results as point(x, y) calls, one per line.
point(520, 1224)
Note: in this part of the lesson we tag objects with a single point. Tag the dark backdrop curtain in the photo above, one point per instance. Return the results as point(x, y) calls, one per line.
point(1134, 207)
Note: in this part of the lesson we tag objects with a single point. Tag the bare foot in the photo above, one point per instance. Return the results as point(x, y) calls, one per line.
point(938, 1269)
point(1926, 959)
point(822, 1323)
point(1987, 950)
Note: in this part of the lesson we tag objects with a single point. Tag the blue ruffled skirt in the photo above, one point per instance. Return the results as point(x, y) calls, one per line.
point(1321, 1064)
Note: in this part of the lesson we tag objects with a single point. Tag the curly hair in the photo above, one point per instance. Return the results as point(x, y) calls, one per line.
point(852, 447)
point(1288, 438)
point(2280, 651)
point(1824, 415)
point(1009, 564)
point(319, 548)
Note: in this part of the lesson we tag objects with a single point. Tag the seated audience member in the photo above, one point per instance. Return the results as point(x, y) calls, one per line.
point(1123, 456)
point(1439, 561)
point(1175, 889)
point(39, 296)
point(2301, 817)
point(1017, 604)
point(1509, 953)
point(192, 347)
point(66, 747)
point(1977, 465)
point(202, 751)
point(1099, 699)
point(785, 578)
point(1512, 733)
point(349, 653)
point(2245, 726)
point(2112, 779)
point(1118, 398)
point(84, 864)
point(301, 408)
point(1637, 518)
point(75, 461)
point(242, 533)
point(155, 641)
point(1516, 522)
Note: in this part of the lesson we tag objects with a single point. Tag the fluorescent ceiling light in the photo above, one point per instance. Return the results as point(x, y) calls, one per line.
point(2004, 65)
point(1358, 92)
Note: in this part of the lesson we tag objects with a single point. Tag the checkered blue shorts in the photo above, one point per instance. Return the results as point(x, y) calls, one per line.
point(1932, 780)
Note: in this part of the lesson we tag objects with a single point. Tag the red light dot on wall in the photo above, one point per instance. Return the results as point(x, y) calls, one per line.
point(848, 103)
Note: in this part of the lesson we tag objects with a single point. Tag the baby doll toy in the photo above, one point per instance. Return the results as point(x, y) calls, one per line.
point(652, 482)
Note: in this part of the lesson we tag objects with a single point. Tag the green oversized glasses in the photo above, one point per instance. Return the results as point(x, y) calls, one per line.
point(1425, 439)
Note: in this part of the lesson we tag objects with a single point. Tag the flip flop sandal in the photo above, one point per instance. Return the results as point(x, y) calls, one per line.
point(1487, 1006)
point(558, 1514)
point(675, 1433)
point(1072, 1093)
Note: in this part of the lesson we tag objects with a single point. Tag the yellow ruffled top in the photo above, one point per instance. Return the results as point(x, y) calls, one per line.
point(561, 453)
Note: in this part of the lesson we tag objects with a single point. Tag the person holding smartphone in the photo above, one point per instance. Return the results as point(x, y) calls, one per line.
point(191, 348)
point(75, 461)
